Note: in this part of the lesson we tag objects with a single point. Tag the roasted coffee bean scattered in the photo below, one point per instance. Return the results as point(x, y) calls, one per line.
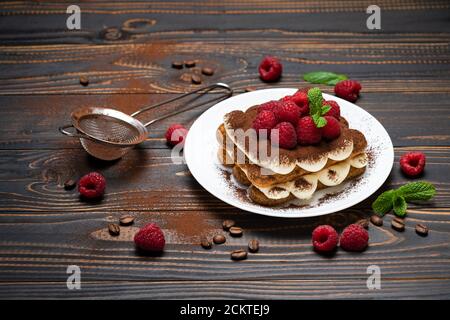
point(70, 184)
point(114, 229)
point(84, 81)
point(253, 245)
point(227, 224)
point(376, 220)
point(126, 220)
point(398, 224)
point(189, 63)
point(236, 231)
point(207, 71)
point(363, 223)
point(239, 254)
point(177, 65)
point(422, 230)
point(205, 243)
point(219, 239)
point(196, 79)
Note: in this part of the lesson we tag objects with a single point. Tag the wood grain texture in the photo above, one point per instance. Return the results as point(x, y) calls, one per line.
point(405, 73)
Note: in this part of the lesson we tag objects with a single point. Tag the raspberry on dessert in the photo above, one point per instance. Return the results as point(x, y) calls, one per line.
point(92, 185)
point(304, 90)
point(269, 105)
point(176, 134)
point(300, 98)
point(150, 238)
point(335, 110)
point(307, 132)
point(348, 90)
point(264, 120)
point(270, 69)
point(287, 137)
point(332, 129)
point(325, 238)
point(412, 163)
point(287, 111)
point(354, 238)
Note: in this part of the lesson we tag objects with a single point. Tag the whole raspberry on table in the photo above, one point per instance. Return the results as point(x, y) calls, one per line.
point(287, 111)
point(412, 163)
point(176, 134)
point(287, 137)
point(325, 238)
point(307, 132)
point(269, 106)
point(354, 238)
point(150, 238)
point(335, 110)
point(332, 129)
point(92, 185)
point(270, 69)
point(264, 120)
point(348, 90)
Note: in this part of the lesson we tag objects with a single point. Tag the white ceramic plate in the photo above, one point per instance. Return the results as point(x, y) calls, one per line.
point(201, 147)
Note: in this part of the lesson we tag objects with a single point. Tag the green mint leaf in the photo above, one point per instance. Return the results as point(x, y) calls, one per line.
point(315, 101)
point(417, 191)
point(399, 205)
point(324, 77)
point(325, 109)
point(321, 122)
point(383, 204)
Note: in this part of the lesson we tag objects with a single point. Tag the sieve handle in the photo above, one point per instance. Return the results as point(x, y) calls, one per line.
point(63, 130)
point(203, 91)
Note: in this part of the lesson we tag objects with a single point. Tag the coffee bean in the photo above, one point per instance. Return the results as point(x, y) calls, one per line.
point(207, 71)
point(114, 229)
point(376, 220)
point(84, 81)
point(219, 239)
point(205, 243)
point(398, 224)
point(189, 63)
point(177, 65)
point(227, 224)
point(239, 254)
point(196, 79)
point(422, 230)
point(253, 246)
point(236, 232)
point(126, 220)
point(363, 223)
point(70, 184)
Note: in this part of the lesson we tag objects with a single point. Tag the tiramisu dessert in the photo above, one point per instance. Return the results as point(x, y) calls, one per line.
point(288, 149)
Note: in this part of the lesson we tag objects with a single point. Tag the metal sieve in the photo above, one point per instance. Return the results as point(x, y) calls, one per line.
point(109, 134)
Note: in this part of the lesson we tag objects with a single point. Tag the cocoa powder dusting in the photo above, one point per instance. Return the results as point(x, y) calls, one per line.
point(189, 227)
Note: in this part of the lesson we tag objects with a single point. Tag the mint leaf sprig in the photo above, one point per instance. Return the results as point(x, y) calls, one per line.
point(397, 199)
point(324, 77)
point(316, 109)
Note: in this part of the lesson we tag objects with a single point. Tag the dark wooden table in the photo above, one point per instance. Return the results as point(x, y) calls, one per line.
point(126, 50)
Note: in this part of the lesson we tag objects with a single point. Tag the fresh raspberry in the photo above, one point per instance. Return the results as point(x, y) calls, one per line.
point(150, 238)
point(348, 90)
point(304, 90)
point(269, 105)
point(92, 185)
point(287, 137)
point(335, 110)
point(325, 238)
point(332, 129)
point(307, 132)
point(354, 238)
point(412, 163)
point(176, 134)
point(300, 98)
point(264, 120)
point(287, 111)
point(270, 69)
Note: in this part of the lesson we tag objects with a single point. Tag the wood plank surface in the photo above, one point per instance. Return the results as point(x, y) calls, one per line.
point(405, 72)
